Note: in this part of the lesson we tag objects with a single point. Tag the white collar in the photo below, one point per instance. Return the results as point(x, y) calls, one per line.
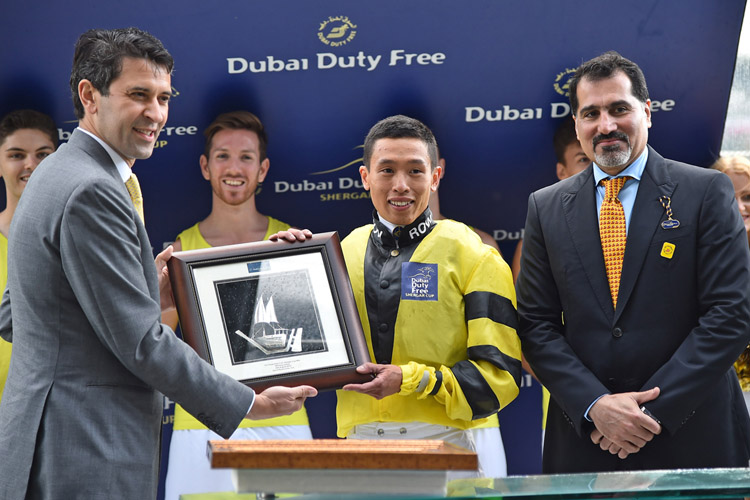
point(122, 166)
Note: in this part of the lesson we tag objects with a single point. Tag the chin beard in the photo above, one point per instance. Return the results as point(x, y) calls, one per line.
point(613, 158)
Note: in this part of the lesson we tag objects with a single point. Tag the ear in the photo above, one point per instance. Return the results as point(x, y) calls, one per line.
point(264, 166)
point(437, 173)
point(561, 171)
point(363, 173)
point(441, 164)
point(648, 112)
point(204, 167)
point(89, 96)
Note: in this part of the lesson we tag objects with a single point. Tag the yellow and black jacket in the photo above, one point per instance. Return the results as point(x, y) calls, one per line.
point(440, 304)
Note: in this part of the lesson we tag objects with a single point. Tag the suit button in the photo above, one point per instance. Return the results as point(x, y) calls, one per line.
point(384, 284)
point(383, 328)
point(617, 332)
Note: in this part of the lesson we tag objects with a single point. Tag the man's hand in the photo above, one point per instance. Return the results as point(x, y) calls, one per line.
point(278, 400)
point(291, 235)
point(165, 287)
point(607, 445)
point(386, 380)
point(621, 427)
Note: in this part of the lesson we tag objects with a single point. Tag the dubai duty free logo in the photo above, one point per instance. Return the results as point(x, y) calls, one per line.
point(337, 31)
point(562, 81)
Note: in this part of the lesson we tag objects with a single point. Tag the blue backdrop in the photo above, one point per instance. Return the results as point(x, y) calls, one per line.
point(489, 77)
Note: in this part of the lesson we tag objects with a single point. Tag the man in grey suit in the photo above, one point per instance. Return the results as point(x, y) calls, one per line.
point(638, 362)
point(80, 417)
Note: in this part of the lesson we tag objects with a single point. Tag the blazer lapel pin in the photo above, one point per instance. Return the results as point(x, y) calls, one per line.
point(670, 223)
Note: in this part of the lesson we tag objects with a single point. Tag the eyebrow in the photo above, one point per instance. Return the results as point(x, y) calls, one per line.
point(610, 105)
point(148, 89)
point(241, 150)
point(417, 161)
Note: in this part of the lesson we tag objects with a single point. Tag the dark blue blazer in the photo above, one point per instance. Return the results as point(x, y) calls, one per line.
point(680, 322)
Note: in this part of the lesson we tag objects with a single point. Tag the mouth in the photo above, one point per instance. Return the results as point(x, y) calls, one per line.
point(400, 204)
point(147, 134)
point(25, 177)
point(610, 139)
point(233, 182)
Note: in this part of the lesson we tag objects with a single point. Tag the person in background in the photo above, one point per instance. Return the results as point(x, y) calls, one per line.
point(738, 170)
point(235, 164)
point(26, 138)
point(437, 306)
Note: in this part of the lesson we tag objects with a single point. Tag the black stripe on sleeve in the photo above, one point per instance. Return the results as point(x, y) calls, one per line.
point(491, 305)
point(493, 355)
point(478, 392)
point(438, 382)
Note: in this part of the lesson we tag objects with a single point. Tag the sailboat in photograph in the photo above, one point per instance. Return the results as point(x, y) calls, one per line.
point(268, 335)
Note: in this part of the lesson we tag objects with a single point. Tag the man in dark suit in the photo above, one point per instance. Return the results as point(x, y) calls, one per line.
point(80, 416)
point(636, 349)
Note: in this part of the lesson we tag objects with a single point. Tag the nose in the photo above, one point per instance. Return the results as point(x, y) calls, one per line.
point(32, 161)
point(606, 123)
point(156, 111)
point(742, 206)
point(400, 183)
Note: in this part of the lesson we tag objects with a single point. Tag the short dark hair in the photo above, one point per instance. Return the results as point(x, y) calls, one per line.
point(605, 66)
point(565, 135)
point(237, 120)
point(98, 58)
point(28, 119)
point(399, 127)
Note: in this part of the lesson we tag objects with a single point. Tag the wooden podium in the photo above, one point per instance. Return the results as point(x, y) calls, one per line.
point(341, 466)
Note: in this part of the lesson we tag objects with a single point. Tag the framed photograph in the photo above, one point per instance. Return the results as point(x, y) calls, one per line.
point(272, 313)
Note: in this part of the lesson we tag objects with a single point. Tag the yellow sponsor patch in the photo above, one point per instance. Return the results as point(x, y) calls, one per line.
point(667, 250)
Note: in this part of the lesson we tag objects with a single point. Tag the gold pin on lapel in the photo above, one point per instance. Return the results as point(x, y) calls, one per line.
point(670, 223)
point(667, 250)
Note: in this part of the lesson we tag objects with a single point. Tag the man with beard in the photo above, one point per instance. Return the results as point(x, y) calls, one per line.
point(235, 163)
point(633, 295)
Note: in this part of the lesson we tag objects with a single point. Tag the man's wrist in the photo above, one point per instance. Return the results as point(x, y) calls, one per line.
point(586, 413)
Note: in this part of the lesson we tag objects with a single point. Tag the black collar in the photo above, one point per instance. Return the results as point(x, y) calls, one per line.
point(410, 235)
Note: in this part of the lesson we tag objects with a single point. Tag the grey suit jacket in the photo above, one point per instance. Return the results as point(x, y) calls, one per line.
point(682, 318)
point(80, 416)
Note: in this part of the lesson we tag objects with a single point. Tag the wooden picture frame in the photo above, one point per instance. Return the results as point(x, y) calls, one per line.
point(272, 313)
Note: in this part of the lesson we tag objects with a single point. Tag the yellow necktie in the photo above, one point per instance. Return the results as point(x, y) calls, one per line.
point(135, 194)
point(613, 233)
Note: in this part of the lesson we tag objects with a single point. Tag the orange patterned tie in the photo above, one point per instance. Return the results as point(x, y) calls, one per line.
point(613, 233)
point(134, 188)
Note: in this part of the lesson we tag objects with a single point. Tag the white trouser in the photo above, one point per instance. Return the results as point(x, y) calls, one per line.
point(486, 442)
point(188, 470)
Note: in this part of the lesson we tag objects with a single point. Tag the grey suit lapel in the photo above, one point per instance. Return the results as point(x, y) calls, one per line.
point(88, 145)
point(645, 218)
point(579, 207)
point(91, 147)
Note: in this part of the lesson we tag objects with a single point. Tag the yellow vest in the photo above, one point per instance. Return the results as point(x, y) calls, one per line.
point(192, 239)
